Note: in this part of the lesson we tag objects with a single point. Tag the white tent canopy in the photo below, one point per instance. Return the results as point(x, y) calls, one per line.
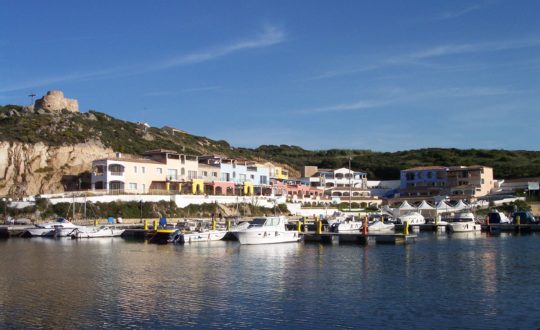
point(405, 206)
point(461, 206)
point(443, 207)
point(425, 206)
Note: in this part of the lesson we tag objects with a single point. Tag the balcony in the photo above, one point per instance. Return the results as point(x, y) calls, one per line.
point(117, 173)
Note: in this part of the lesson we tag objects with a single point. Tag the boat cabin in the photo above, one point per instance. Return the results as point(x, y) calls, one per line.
point(267, 222)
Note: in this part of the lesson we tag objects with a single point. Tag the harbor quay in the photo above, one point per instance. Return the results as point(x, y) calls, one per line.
point(311, 230)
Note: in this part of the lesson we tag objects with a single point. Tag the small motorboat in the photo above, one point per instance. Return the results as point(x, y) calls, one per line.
point(412, 218)
point(59, 228)
point(463, 222)
point(348, 225)
point(164, 236)
point(94, 232)
point(267, 230)
point(380, 226)
point(204, 236)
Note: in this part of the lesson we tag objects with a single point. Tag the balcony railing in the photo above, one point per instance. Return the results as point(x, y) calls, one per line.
point(117, 173)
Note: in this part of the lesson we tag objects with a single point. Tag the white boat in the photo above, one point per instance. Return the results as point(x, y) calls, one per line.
point(204, 236)
point(413, 218)
point(498, 217)
point(348, 225)
point(267, 230)
point(463, 222)
point(380, 226)
point(336, 218)
point(92, 232)
point(50, 228)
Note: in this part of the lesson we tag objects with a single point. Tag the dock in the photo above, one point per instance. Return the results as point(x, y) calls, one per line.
point(358, 238)
point(515, 228)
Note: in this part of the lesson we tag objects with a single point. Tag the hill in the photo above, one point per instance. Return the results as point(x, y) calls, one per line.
point(42, 150)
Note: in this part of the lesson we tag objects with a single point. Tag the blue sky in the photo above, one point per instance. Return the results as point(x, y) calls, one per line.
point(379, 75)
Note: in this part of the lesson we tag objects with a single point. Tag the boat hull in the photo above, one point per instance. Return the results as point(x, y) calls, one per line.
point(266, 237)
point(108, 232)
point(40, 231)
point(349, 227)
point(204, 236)
point(463, 227)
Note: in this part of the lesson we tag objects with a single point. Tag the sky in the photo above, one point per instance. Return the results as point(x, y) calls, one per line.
point(379, 75)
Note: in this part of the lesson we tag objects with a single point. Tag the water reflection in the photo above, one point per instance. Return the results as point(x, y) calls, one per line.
point(459, 281)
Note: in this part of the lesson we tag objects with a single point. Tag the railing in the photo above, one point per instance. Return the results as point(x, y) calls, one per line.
point(117, 173)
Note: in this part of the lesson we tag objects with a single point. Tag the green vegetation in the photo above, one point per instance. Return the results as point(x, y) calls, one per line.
point(18, 124)
point(149, 210)
point(386, 165)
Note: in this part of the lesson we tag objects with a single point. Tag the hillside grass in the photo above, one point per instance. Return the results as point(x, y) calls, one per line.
point(70, 128)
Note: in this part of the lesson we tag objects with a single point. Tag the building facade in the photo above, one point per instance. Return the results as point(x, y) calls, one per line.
point(454, 182)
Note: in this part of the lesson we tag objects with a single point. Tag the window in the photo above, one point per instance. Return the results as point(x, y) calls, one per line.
point(264, 179)
point(205, 173)
point(143, 169)
point(409, 176)
point(183, 171)
point(134, 169)
point(252, 177)
point(214, 174)
point(132, 186)
point(242, 177)
point(482, 181)
point(419, 175)
point(192, 174)
point(159, 170)
point(429, 175)
point(234, 175)
point(172, 174)
point(143, 188)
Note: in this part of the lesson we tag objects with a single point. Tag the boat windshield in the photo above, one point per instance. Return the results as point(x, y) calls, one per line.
point(257, 222)
point(461, 220)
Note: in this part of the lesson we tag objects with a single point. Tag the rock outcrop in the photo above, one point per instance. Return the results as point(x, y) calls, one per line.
point(31, 169)
point(55, 101)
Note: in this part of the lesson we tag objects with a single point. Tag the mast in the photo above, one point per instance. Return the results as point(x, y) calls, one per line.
point(350, 185)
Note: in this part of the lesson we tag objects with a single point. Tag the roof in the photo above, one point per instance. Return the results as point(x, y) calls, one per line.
point(426, 168)
point(159, 151)
point(471, 167)
point(130, 160)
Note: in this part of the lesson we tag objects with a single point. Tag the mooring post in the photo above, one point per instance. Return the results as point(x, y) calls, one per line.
point(406, 228)
point(365, 226)
point(155, 224)
point(145, 225)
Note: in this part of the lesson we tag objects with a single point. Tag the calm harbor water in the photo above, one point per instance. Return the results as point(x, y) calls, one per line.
point(441, 281)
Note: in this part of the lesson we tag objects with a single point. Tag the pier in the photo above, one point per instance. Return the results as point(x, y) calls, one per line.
point(358, 238)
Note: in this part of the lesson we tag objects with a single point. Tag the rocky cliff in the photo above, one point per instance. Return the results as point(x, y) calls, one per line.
point(31, 169)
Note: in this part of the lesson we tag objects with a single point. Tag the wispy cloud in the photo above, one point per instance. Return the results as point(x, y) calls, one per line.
point(268, 37)
point(180, 91)
point(404, 96)
point(417, 57)
point(358, 105)
point(460, 12)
